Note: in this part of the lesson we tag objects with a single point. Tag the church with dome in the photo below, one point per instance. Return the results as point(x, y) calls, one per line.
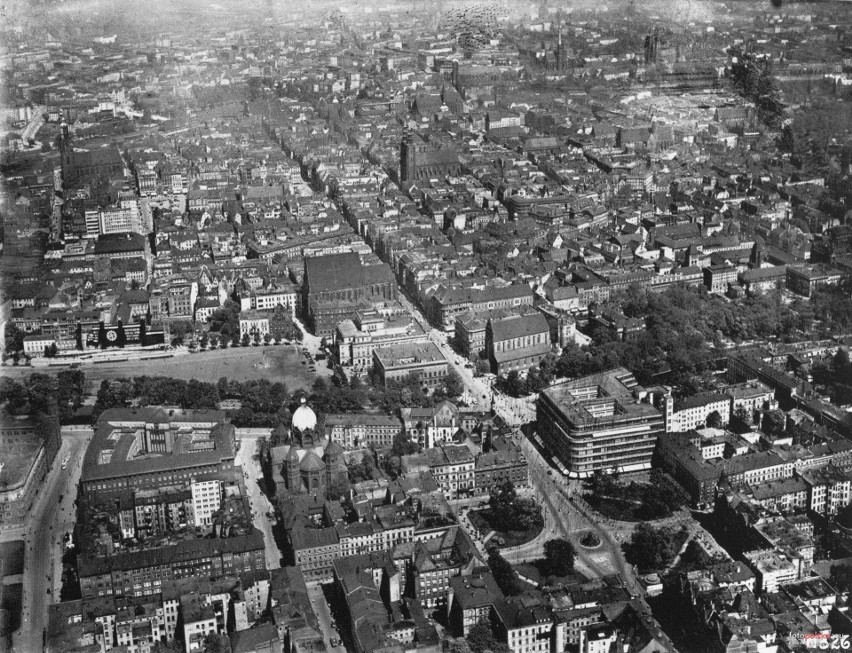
point(307, 463)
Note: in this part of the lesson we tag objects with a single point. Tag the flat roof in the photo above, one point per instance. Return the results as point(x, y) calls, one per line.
point(200, 438)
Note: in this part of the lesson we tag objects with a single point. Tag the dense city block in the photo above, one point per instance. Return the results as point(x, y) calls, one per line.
point(425, 327)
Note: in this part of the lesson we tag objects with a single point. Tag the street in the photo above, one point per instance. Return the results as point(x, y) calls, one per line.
point(323, 613)
point(260, 506)
point(52, 516)
point(561, 518)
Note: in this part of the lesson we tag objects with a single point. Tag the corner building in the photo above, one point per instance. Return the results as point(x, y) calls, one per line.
point(603, 422)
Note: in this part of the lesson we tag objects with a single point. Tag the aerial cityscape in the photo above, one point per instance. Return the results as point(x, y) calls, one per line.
point(407, 326)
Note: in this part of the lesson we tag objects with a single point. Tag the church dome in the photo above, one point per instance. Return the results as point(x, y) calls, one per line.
point(304, 418)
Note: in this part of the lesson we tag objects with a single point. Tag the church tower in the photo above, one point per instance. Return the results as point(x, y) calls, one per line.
point(291, 471)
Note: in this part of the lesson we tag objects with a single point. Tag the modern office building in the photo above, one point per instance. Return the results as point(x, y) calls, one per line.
point(603, 422)
point(144, 448)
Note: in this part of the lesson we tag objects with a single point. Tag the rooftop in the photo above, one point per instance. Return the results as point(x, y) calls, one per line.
point(130, 442)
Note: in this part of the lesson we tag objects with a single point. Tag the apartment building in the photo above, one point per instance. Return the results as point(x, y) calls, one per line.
point(360, 429)
point(206, 500)
point(253, 323)
point(692, 412)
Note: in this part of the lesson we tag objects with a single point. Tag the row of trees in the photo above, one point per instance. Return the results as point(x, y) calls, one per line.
point(225, 321)
point(37, 391)
point(263, 403)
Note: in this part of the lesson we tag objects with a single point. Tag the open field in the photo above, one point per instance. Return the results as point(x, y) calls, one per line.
point(273, 362)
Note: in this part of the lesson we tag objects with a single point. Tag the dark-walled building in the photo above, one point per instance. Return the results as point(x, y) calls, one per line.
point(336, 285)
point(418, 161)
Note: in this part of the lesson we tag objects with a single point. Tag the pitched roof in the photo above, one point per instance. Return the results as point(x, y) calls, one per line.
point(517, 326)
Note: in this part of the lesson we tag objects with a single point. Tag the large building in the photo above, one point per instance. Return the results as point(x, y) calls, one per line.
point(692, 412)
point(28, 447)
point(603, 422)
point(359, 429)
point(424, 360)
point(336, 286)
point(446, 303)
point(145, 448)
point(136, 573)
point(308, 463)
point(517, 342)
point(470, 327)
point(418, 161)
point(357, 338)
point(84, 166)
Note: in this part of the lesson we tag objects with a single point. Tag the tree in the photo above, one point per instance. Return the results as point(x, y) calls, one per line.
point(508, 512)
point(361, 470)
point(214, 340)
point(256, 339)
point(14, 341)
point(714, 420)
point(15, 394)
point(482, 366)
point(504, 575)
point(453, 384)
point(393, 466)
point(402, 445)
point(267, 338)
point(204, 341)
point(246, 340)
point(338, 377)
point(215, 643)
point(480, 638)
point(559, 557)
point(741, 415)
point(460, 645)
point(840, 577)
point(179, 329)
point(71, 388)
point(51, 350)
point(653, 548)
point(226, 319)
point(774, 422)
point(513, 384)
